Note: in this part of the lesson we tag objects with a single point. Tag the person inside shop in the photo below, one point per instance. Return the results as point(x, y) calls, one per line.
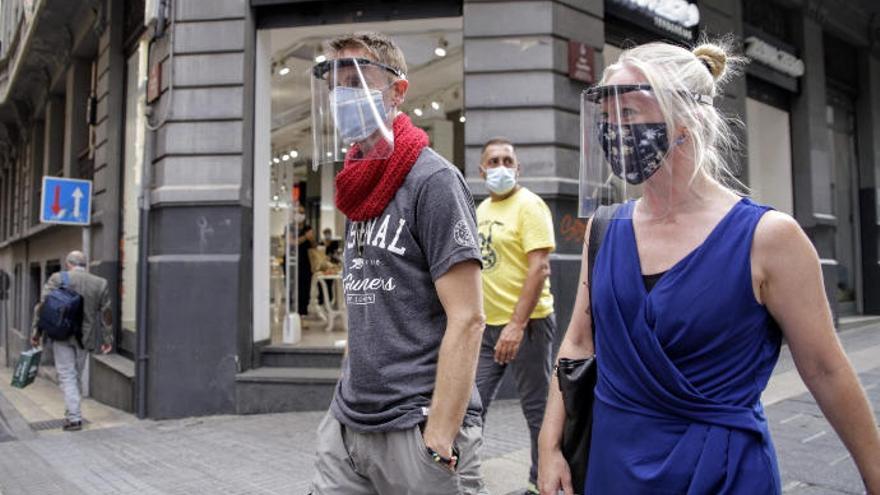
point(694, 288)
point(326, 236)
point(334, 251)
point(405, 417)
point(302, 243)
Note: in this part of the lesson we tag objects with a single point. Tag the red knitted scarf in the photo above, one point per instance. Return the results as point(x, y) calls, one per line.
point(364, 187)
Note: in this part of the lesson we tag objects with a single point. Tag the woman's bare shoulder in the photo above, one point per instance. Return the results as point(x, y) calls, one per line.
point(780, 241)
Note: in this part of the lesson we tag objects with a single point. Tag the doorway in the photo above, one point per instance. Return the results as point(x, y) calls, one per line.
point(297, 229)
point(844, 195)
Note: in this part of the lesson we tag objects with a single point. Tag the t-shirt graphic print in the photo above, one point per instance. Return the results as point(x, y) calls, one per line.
point(395, 319)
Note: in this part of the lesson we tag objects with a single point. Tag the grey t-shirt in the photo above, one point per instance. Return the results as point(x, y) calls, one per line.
point(395, 319)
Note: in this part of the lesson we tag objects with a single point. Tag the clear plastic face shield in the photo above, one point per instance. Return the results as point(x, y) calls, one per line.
point(625, 146)
point(352, 110)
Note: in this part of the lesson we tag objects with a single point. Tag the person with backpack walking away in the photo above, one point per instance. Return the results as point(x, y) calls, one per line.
point(74, 314)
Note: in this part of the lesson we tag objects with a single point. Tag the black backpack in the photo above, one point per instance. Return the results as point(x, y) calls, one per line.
point(61, 314)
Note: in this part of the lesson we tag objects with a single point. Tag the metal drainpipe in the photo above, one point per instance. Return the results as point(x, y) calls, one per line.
point(143, 275)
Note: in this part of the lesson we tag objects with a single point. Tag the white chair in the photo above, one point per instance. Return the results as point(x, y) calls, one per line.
point(334, 300)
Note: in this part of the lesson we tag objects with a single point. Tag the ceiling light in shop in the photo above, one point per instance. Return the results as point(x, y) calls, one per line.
point(294, 153)
point(329, 154)
point(276, 160)
point(435, 105)
point(418, 112)
point(440, 51)
point(285, 157)
point(461, 119)
point(344, 150)
point(320, 58)
point(275, 198)
point(284, 71)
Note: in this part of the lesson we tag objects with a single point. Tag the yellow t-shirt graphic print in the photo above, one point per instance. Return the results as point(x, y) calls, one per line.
point(509, 230)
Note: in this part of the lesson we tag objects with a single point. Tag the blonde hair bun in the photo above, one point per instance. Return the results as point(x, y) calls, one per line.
point(713, 57)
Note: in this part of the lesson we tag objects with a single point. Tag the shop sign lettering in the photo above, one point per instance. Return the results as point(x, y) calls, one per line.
point(680, 12)
point(679, 17)
point(777, 59)
point(580, 62)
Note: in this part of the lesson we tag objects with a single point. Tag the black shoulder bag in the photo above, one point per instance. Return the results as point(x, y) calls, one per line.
point(577, 377)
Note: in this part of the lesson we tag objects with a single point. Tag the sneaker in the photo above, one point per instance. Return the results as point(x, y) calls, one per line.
point(532, 489)
point(72, 425)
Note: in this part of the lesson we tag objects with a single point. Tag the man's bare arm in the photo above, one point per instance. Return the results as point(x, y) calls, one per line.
point(461, 294)
point(512, 334)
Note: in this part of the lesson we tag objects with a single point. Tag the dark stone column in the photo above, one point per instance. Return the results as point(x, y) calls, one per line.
point(517, 86)
point(868, 142)
point(811, 152)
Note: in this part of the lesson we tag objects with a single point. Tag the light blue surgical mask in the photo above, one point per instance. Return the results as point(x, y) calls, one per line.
point(353, 112)
point(500, 180)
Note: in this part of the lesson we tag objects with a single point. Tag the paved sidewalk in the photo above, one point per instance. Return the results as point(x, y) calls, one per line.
point(272, 454)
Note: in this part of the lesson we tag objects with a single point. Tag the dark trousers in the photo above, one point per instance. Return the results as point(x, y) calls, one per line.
point(531, 369)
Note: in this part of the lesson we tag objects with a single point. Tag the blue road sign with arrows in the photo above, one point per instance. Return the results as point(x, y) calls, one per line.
point(66, 201)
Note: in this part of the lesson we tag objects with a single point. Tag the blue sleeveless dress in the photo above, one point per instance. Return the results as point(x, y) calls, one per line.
point(682, 368)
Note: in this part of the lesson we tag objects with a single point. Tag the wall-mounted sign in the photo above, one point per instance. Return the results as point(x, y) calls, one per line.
point(580, 62)
point(670, 17)
point(66, 201)
point(767, 54)
point(154, 83)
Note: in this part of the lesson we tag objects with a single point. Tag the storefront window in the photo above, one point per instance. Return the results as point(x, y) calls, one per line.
point(301, 230)
point(135, 87)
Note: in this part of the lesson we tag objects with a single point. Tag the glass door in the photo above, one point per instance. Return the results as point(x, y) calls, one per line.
point(298, 232)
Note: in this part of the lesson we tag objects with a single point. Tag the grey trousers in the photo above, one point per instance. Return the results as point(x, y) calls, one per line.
point(71, 364)
point(531, 369)
point(391, 463)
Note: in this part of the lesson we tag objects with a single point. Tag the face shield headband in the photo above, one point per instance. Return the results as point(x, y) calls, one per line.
point(598, 93)
point(321, 70)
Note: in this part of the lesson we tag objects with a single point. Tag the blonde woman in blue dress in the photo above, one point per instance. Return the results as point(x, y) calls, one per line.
point(693, 291)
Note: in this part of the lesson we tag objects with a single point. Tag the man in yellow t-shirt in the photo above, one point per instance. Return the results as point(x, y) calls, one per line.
point(516, 238)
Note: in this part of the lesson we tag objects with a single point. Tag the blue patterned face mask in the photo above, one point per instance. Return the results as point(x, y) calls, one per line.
point(353, 112)
point(639, 148)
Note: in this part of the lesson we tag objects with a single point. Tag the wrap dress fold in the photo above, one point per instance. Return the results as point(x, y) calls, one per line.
point(682, 368)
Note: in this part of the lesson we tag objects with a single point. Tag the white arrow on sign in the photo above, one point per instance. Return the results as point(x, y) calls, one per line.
point(77, 197)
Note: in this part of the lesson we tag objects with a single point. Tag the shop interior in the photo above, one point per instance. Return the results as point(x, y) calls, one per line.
point(306, 303)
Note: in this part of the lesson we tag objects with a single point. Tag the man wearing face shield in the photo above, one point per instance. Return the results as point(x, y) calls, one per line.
point(405, 417)
point(516, 238)
point(693, 289)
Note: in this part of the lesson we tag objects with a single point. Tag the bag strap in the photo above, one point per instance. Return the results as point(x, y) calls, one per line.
point(601, 218)
point(65, 278)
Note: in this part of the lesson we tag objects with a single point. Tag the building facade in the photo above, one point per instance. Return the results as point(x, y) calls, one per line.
point(192, 119)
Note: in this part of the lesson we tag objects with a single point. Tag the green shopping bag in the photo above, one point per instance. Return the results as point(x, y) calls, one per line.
point(26, 368)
